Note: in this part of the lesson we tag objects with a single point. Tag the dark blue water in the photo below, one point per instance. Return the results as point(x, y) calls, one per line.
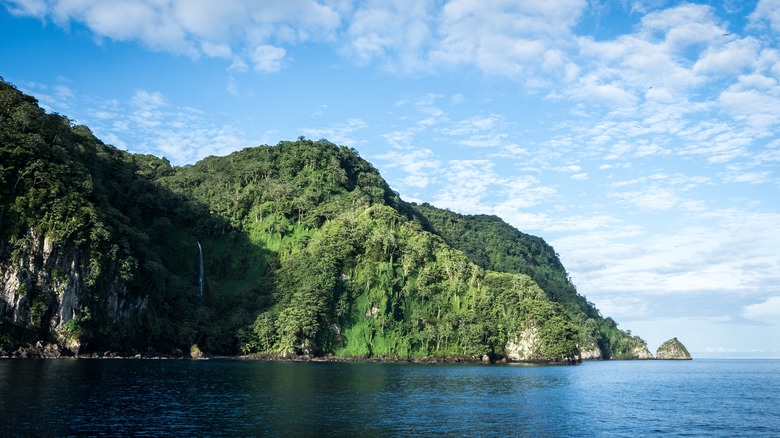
point(246, 398)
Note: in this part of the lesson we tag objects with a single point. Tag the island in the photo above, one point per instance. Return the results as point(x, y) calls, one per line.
point(299, 249)
point(672, 350)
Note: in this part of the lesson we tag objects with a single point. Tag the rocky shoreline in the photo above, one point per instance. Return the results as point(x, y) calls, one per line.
point(43, 350)
point(55, 351)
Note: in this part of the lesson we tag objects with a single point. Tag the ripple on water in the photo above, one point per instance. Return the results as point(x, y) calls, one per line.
point(151, 398)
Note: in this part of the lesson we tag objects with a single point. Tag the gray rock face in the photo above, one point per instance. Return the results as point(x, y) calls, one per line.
point(641, 352)
point(592, 353)
point(672, 350)
point(43, 285)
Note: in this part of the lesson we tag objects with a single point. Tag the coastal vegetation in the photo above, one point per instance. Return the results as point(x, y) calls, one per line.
point(298, 248)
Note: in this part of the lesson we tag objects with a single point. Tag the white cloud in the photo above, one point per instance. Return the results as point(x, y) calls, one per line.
point(420, 166)
point(267, 59)
point(339, 133)
point(732, 254)
point(148, 100)
point(651, 198)
point(728, 59)
point(53, 98)
point(752, 177)
point(484, 140)
point(216, 50)
point(148, 123)
point(197, 27)
point(767, 11)
point(756, 100)
point(394, 31)
point(767, 311)
point(504, 38)
point(473, 125)
point(519, 217)
point(468, 182)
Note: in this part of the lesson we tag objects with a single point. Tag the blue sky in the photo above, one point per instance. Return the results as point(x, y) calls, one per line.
point(639, 138)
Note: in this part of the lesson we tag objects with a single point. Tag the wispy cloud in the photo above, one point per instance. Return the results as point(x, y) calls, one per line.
point(420, 166)
point(340, 133)
point(245, 29)
point(766, 311)
point(728, 254)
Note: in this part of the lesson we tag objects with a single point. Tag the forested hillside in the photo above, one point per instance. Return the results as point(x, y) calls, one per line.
point(494, 245)
point(298, 248)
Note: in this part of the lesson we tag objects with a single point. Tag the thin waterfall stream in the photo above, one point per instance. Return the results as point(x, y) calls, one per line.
point(200, 259)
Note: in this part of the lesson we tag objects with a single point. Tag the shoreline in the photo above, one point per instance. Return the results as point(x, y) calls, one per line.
point(53, 351)
point(307, 358)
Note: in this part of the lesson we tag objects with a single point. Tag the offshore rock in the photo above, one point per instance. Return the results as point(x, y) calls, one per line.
point(672, 350)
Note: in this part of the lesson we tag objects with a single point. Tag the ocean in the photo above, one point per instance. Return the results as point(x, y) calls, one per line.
point(111, 397)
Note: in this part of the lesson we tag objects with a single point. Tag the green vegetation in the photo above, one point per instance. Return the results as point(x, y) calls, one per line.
point(494, 245)
point(673, 349)
point(306, 250)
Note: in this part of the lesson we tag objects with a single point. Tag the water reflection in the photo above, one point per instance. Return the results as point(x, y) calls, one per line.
point(142, 397)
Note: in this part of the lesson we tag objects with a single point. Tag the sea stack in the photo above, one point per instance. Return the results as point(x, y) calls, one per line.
point(672, 350)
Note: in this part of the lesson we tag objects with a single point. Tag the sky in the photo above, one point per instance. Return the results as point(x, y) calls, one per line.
point(638, 137)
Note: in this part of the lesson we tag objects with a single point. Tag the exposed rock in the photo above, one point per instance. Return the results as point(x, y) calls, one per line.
point(523, 346)
point(672, 350)
point(590, 353)
point(640, 352)
point(485, 358)
point(51, 351)
point(195, 352)
point(45, 273)
point(40, 349)
point(43, 284)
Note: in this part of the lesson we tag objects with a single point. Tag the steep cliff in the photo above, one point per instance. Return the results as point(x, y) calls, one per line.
point(640, 352)
point(82, 232)
point(43, 294)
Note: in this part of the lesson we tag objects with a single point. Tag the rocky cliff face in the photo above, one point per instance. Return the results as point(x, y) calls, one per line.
point(526, 346)
point(672, 350)
point(40, 283)
point(42, 288)
point(641, 352)
point(523, 346)
point(593, 353)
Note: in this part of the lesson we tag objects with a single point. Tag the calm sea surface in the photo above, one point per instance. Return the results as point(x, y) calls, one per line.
point(249, 398)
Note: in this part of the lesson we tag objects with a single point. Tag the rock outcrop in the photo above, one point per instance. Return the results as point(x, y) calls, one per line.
point(42, 286)
point(640, 352)
point(591, 353)
point(523, 346)
point(672, 350)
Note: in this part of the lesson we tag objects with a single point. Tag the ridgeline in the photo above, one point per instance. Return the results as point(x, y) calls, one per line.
point(295, 249)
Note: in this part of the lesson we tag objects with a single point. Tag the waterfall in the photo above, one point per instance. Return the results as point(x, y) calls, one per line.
point(200, 278)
